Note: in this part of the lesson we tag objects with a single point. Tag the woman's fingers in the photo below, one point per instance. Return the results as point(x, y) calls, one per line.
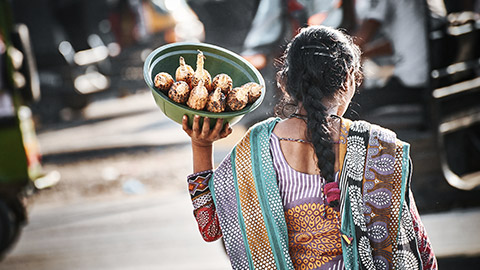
point(206, 127)
point(218, 126)
point(185, 125)
point(204, 132)
point(226, 131)
point(196, 125)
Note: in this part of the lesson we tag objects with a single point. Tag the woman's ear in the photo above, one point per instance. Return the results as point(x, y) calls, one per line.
point(351, 86)
point(345, 97)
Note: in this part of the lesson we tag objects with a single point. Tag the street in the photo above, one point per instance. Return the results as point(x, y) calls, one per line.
point(155, 231)
point(122, 201)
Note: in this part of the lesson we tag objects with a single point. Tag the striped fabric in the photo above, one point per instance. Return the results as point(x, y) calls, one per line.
point(294, 185)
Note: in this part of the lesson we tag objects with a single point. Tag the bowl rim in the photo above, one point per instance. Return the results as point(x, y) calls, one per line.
point(148, 79)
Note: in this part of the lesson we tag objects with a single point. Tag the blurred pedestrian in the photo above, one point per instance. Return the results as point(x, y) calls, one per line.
point(314, 190)
point(402, 25)
point(275, 22)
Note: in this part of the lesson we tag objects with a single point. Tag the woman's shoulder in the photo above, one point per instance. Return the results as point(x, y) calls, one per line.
point(267, 124)
point(264, 127)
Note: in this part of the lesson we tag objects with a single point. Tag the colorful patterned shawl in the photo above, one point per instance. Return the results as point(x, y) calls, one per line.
point(374, 181)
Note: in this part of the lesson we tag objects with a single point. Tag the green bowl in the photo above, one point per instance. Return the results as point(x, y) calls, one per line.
point(218, 60)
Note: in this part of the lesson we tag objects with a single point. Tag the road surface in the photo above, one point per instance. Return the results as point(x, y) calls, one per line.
point(122, 201)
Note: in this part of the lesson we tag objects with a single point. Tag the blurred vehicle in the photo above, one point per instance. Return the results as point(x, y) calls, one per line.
point(73, 45)
point(138, 21)
point(226, 22)
point(20, 167)
point(141, 26)
point(86, 48)
point(455, 91)
point(445, 129)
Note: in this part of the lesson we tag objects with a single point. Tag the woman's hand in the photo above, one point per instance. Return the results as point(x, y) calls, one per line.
point(204, 136)
point(202, 140)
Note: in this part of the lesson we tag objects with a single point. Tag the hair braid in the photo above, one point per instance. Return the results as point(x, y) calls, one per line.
point(316, 65)
point(319, 133)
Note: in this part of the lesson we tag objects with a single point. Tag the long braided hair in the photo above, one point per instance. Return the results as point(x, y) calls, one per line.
point(315, 67)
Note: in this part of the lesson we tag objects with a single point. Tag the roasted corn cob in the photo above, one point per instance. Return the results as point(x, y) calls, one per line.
point(254, 91)
point(179, 92)
point(216, 101)
point(198, 97)
point(184, 72)
point(223, 81)
point(237, 98)
point(163, 81)
point(201, 74)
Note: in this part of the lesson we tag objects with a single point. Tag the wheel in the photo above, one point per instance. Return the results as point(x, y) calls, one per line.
point(9, 227)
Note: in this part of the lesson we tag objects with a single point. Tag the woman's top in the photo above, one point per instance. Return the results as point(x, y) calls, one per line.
point(313, 226)
point(241, 201)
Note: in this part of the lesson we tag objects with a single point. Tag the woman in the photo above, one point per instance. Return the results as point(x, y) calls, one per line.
point(315, 190)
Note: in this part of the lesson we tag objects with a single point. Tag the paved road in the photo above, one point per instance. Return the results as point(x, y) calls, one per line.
point(125, 122)
point(157, 231)
point(454, 233)
point(90, 221)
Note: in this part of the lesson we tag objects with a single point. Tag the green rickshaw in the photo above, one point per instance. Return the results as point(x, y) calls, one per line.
point(19, 154)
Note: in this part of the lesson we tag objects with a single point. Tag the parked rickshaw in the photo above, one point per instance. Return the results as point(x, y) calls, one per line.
point(19, 153)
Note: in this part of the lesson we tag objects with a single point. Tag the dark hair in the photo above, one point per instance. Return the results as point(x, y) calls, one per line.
point(315, 66)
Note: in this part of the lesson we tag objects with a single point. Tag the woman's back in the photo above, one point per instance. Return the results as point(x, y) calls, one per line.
point(301, 156)
point(313, 226)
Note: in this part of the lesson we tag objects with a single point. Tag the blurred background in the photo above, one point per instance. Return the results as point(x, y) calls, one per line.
point(93, 175)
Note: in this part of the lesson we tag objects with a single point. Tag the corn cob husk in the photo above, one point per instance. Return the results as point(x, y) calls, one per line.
point(254, 91)
point(237, 98)
point(223, 81)
point(201, 74)
point(198, 97)
point(216, 101)
point(163, 81)
point(179, 92)
point(184, 72)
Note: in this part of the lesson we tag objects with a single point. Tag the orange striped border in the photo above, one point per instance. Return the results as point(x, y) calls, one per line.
point(256, 231)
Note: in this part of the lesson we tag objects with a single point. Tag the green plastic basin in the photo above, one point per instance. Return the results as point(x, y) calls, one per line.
point(218, 60)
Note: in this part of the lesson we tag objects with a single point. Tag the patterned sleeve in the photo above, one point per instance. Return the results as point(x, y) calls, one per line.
point(203, 206)
point(424, 246)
